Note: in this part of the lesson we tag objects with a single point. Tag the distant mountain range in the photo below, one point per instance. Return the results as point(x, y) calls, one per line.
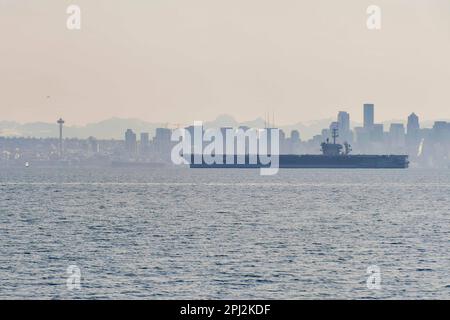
point(115, 128)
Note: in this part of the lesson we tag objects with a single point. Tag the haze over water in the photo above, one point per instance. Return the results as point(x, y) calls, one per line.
point(224, 234)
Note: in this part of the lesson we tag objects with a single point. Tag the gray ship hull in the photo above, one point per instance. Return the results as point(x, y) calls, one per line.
point(320, 161)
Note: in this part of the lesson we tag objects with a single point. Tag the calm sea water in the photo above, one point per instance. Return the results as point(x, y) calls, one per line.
point(224, 234)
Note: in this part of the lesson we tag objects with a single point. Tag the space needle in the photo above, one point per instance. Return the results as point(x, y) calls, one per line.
point(60, 122)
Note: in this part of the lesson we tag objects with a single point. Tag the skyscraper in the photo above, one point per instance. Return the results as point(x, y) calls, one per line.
point(441, 131)
point(130, 142)
point(144, 143)
point(344, 122)
point(369, 118)
point(413, 123)
point(144, 138)
point(162, 142)
point(413, 131)
point(295, 135)
point(345, 134)
point(295, 142)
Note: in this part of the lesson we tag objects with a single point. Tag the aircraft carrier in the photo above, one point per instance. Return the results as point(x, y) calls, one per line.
point(334, 155)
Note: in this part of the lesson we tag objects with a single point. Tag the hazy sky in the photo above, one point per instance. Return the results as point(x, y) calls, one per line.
point(185, 60)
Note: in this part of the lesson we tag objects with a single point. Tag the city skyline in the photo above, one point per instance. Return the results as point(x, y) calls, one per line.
point(223, 119)
point(426, 147)
point(310, 127)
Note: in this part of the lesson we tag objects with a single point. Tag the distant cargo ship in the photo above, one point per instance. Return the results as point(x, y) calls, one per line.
point(333, 155)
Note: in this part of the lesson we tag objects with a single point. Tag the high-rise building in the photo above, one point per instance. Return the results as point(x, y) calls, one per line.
point(144, 143)
point(295, 142)
point(162, 140)
point(162, 143)
point(413, 132)
point(163, 134)
point(369, 119)
point(441, 131)
point(344, 122)
point(144, 138)
point(413, 124)
point(295, 135)
point(130, 142)
point(345, 134)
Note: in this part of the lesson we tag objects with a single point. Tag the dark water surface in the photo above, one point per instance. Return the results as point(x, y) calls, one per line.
point(224, 234)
